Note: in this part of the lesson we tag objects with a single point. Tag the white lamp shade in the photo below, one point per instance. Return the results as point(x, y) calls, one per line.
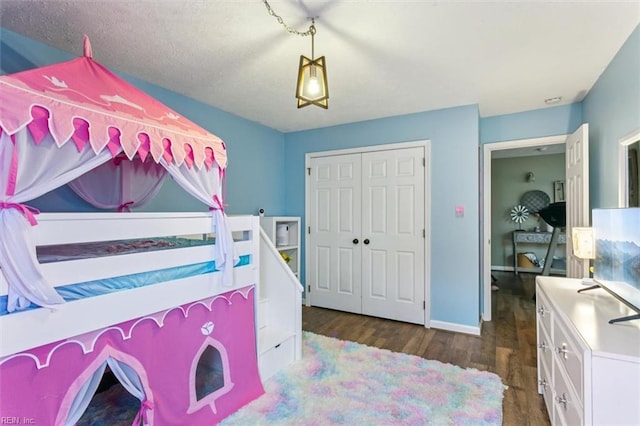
point(584, 243)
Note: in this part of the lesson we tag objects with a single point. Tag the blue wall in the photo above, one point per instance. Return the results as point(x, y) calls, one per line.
point(251, 146)
point(612, 109)
point(552, 121)
point(257, 176)
point(453, 134)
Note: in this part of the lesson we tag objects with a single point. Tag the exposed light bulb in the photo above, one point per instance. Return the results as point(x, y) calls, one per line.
point(313, 87)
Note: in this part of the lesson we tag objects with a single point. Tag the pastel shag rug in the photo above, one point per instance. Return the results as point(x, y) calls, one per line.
point(340, 382)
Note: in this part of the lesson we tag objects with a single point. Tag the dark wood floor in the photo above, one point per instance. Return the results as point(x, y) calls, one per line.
point(507, 346)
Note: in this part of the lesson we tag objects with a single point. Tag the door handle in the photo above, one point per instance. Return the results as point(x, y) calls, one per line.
point(366, 241)
point(355, 241)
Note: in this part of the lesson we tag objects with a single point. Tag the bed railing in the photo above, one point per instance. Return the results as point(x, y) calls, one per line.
point(36, 327)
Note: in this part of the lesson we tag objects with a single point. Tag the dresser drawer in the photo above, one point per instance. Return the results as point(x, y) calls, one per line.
point(272, 360)
point(545, 350)
point(543, 311)
point(567, 406)
point(569, 354)
point(545, 387)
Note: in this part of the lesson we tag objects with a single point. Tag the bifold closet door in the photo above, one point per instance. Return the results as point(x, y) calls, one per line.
point(366, 245)
point(393, 255)
point(334, 242)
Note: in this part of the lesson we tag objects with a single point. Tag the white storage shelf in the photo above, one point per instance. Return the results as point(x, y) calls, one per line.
point(284, 232)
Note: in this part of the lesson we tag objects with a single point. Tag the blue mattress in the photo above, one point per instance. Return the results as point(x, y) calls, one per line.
point(87, 289)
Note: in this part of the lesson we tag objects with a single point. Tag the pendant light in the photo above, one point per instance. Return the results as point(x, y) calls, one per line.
point(312, 87)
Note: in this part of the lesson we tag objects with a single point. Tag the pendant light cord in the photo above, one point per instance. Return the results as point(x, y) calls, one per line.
point(312, 28)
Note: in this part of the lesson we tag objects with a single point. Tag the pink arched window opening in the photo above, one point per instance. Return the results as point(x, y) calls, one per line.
point(196, 404)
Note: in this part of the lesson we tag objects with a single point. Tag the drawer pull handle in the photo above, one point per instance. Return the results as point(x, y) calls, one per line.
point(541, 311)
point(563, 351)
point(562, 400)
point(543, 346)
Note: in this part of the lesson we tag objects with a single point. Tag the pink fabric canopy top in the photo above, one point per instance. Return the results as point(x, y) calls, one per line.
point(83, 101)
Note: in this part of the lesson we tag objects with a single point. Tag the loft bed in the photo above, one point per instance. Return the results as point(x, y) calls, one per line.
point(36, 342)
point(178, 285)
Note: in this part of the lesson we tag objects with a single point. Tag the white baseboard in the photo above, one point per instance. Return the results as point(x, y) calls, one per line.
point(450, 326)
point(502, 268)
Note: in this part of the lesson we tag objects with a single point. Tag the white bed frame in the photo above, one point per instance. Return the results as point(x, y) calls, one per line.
point(32, 328)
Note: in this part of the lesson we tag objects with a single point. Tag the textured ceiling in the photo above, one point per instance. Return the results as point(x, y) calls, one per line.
point(384, 58)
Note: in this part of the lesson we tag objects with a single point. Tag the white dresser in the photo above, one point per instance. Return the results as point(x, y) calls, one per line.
point(588, 369)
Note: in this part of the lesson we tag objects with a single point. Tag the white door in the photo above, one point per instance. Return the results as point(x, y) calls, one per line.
point(335, 250)
point(366, 244)
point(392, 234)
point(577, 195)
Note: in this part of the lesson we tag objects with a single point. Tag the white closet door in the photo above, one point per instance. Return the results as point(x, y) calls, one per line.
point(577, 195)
point(393, 280)
point(334, 242)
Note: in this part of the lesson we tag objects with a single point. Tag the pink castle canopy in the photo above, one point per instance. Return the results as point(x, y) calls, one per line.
point(88, 115)
point(83, 101)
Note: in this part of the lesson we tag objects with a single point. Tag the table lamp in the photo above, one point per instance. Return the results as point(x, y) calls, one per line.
point(584, 246)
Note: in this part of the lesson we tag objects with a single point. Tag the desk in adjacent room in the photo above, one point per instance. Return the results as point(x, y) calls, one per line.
point(526, 237)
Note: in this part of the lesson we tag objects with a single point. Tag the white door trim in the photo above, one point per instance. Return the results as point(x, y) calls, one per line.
point(426, 145)
point(488, 148)
point(385, 147)
point(623, 166)
point(577, 196)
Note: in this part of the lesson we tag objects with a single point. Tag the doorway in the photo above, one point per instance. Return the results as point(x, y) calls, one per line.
point(629, 170)
point(576, 195)
point(524, 145)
